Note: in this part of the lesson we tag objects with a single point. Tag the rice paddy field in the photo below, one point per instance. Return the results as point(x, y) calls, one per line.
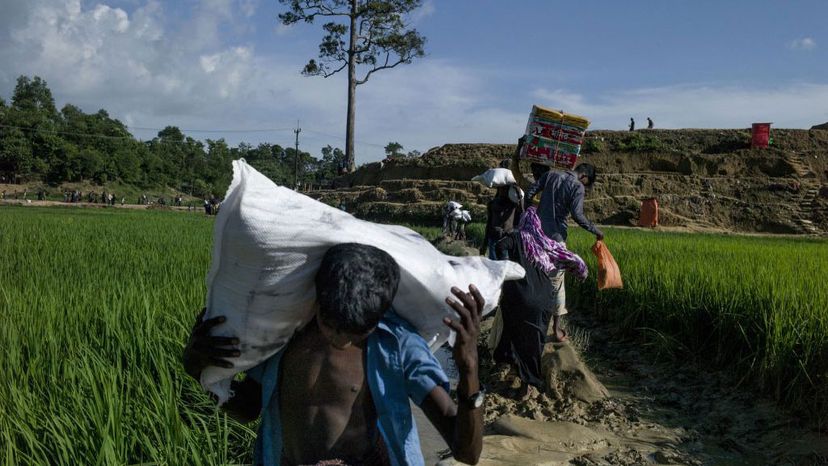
point(96, 305)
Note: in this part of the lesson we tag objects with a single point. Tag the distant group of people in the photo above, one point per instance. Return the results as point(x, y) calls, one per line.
point(455, 219)
point(211, 206)
point(650, 124)
point(41, 194)
point(92, 197)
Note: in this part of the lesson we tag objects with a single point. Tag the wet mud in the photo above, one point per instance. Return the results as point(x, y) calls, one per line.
point(610, 401)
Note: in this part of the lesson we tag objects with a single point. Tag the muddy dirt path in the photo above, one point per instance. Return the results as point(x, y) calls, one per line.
point(655, 412)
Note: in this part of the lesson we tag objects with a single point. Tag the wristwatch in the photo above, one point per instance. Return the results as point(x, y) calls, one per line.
point(475, 400)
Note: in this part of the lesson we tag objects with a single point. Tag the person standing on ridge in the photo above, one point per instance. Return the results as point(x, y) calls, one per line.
point(650, 124)
point(632, 124)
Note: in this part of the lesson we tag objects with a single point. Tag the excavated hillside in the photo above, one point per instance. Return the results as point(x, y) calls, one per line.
point(703, 179)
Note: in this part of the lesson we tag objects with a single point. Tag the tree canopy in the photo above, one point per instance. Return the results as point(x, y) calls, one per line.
point(39, 143)
point(378, 38)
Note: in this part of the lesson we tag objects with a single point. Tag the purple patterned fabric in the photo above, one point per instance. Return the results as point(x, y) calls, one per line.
point(545, 253)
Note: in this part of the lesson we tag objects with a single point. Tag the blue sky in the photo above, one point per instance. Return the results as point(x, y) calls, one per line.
point(229, 65)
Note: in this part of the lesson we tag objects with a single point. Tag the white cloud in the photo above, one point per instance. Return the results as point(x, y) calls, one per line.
point(153, 67)
point(806, 43)
point(797, 105)
point(249, 7)
point(427, 9)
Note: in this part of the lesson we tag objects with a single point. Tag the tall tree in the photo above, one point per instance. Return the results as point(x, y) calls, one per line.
point(378, 39)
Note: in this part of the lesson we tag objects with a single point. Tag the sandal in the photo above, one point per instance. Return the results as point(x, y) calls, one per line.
point(564, 337)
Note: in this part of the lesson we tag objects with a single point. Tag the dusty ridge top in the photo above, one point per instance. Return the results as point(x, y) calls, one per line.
point(703, 178)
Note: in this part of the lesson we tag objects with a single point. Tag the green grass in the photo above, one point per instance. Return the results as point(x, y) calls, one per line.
point(757, 306)
point(97, 304)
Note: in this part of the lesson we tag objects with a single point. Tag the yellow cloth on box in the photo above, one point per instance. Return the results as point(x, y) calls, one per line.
point(566, 118)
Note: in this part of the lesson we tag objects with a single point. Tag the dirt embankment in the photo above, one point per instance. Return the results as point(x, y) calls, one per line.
point(704, 179)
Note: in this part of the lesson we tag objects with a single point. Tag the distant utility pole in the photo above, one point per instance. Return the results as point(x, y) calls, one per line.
point(296, 158)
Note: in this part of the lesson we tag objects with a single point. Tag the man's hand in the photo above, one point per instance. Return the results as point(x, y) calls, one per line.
point(203, 350)
point(469, 307)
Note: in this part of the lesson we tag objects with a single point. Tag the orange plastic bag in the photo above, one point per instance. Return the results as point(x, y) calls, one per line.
point(609, 276)
point(649, 213)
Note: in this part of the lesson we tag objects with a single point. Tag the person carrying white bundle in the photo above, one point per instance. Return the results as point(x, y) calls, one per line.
point(451, 215)
point(265, 294)
point(496, 177)
point(339, 391)
point(463, 219)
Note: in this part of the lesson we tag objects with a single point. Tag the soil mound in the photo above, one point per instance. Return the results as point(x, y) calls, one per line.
point(703, 179)
point(568, 376)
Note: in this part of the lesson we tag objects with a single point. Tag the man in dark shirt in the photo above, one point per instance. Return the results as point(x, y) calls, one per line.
point(563, 195)
point(502, 215)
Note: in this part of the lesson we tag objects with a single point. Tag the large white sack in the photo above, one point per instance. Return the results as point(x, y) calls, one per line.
point(268, 242)
point(496, 177)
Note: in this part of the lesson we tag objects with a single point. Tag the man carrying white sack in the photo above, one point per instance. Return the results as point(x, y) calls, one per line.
point(451, 215)
point(338, 393)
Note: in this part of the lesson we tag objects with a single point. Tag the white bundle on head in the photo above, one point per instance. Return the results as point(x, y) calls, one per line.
point(268, 242)
point(496, 177)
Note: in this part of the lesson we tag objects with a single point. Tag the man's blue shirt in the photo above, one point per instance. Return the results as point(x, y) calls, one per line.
point(563, 195)
point(399, 366)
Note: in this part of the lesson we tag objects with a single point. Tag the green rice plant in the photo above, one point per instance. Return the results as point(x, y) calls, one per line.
point(97, 304)
point(756, 305)
point(96, 307)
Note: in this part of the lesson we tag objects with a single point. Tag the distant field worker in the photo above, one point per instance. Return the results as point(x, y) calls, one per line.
point(465, 218)
point(451, 213)
point(632, 124)
point(563, 195)
point(650, 124)
point(502, 216)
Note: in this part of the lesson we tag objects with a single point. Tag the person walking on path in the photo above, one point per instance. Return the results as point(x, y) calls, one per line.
point(563, 195)
point(527, 305)
point(338, 392)
point(502, 215)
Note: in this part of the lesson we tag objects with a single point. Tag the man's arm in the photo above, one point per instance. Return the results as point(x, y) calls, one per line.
point(461, 425)
point(576, 209)
point(535, 188)
point(204, 350)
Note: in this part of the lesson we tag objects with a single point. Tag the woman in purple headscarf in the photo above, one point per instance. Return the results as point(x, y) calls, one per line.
point(526, 304)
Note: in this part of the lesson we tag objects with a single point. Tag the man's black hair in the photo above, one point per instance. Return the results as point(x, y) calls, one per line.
point(588, 170)
point(538, 170)
point(355, 285)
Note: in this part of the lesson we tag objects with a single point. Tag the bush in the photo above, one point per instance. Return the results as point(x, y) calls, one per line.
point(593, 145)
point(636, 142)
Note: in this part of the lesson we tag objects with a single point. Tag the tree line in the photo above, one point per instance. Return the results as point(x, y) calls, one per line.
point(40, 143)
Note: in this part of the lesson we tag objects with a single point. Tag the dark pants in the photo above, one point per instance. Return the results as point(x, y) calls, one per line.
point(521, 343)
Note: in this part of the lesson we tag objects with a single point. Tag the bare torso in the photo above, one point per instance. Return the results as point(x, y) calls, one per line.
point(326, 406)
